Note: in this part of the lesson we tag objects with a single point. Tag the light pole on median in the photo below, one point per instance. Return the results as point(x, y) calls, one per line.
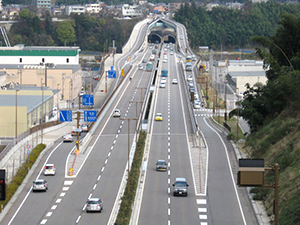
point(128, 119)
point(136, 115)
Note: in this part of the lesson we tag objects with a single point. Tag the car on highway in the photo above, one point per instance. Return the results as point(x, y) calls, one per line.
point(117, 113)
point(96, 77)
point(180, 187)
point(163, 80)
point(161, 165)
point(191, 83)
point(192, 89)
point(85, 127)
point(181, 37)
point(76, 131)
point(141, 66)
point(190, 78)
point(174, 81)
point(144, 61)
point(162, 84)
point(49, 169)
point(68, 138)
point(40, 185)
point(171, 53)
point(197, 104)
point(94, 205)
point(158, 117)
point(165, 60)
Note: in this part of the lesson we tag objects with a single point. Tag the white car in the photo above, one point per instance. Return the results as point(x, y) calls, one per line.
point(174, 81)
point(117, 113)
point(165, 60)
point(162, 84)
point(140, 66)
point(68, 138)
point(197, 105)
point(49, 169)
point(190, 78)
point(163, 80)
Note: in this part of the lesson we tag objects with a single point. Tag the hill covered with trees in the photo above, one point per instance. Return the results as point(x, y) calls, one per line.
point(231, 28)
point(89, 32)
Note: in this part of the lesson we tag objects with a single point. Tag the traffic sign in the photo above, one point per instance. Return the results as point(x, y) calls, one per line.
point(28, 146)
point(90, 115)
point(112, 73)
point(87, 99)
point(65, 115)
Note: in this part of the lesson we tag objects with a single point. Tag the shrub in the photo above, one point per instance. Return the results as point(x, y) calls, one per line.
point(21, 174)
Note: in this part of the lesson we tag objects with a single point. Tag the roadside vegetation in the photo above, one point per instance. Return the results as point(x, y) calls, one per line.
point(12, 187)
point(128, 198)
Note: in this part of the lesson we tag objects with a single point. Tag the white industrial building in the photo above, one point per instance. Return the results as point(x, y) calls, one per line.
point(131, 10)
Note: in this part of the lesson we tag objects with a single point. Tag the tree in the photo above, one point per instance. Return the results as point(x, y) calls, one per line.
point(66, 32)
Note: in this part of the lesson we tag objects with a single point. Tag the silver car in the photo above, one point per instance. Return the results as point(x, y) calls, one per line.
point(40, 185)
point(161, 165)
point(94, 205)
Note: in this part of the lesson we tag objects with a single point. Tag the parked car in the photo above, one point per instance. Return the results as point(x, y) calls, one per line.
point(68, 138)
point(40, 185)
point(117, 113)
point(49, 169)
point(94, 205)
point(180, 187)
point(161, 165)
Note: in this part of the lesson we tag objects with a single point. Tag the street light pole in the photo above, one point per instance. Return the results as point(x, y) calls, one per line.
point(225, 116)
point(122, 118)
point(16, 134)
point(63, 86)
point(238, 109)
point(42, 117)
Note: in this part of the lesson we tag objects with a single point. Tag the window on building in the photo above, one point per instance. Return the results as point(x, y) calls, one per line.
point(67, 60)
point(20, 60)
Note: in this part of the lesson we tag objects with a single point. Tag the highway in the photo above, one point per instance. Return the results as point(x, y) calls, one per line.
point(213, 199)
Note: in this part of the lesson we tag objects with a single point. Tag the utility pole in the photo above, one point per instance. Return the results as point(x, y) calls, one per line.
point(136, 115)
point(225, 115)
point(128, 119)
point(238, 116)
point(16, 115)
point(42, 117)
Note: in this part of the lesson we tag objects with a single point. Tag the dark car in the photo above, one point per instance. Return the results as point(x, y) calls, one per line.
point(180, 187)
point(161, 165)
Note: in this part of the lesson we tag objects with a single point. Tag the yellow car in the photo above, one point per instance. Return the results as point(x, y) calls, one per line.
point(158, 117)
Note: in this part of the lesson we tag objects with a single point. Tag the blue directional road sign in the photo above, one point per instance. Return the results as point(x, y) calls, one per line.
point(90, 115)
point(65, 115)
point(112, 73)
point(87, 99)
